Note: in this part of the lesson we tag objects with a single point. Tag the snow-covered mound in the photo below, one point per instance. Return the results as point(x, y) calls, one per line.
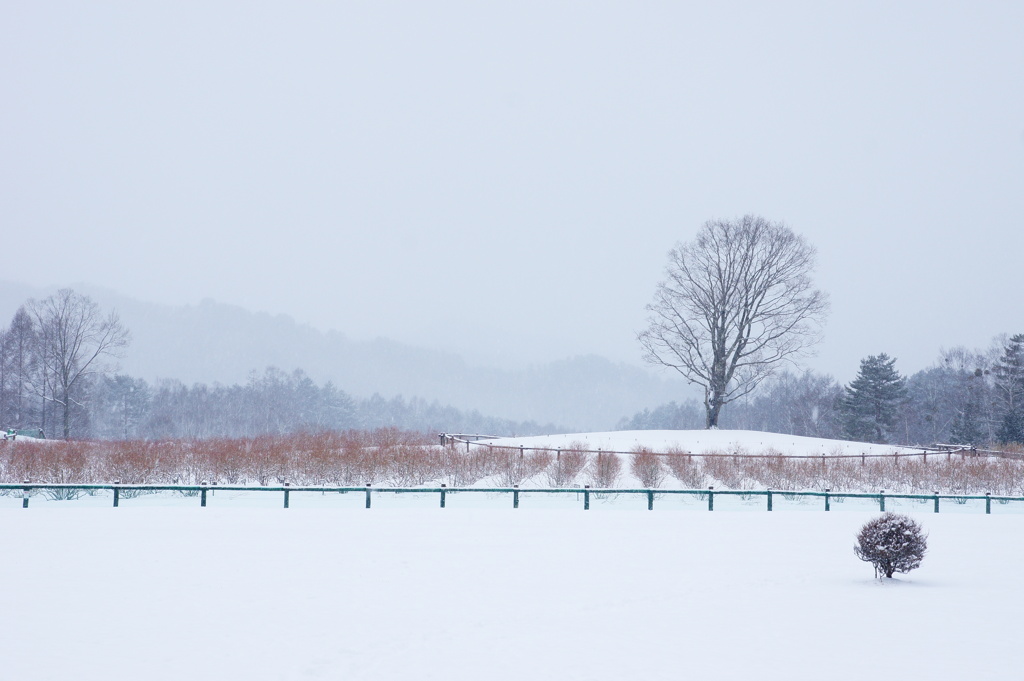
point(706, 441)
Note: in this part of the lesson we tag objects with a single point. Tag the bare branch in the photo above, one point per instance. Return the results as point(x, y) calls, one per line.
point(74, 338)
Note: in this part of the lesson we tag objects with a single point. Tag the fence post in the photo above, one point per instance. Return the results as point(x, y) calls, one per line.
point(828, 506)
point(988, 502)
point(443, 492)
point(711, 498)
point(286, 485)
point(936, 501)
point(515, 495)
point(862, 459)
point(202, 493)
point(24, 498)
point(117, 492)
point(881, 500)
point(586, 497)
point(650, 500)
point(367, 495)
point(769, 500)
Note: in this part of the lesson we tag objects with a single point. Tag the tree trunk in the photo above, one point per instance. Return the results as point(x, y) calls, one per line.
point(714, 396)
point(712, 407)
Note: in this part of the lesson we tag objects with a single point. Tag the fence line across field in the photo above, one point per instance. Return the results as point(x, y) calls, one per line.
point(938, 449)
point(443, 491)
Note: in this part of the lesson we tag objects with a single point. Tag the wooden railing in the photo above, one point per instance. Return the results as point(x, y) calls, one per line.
point(900, 451)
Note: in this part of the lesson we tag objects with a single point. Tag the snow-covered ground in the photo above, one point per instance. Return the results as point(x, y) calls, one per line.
point(244, 593)
point(705, 441)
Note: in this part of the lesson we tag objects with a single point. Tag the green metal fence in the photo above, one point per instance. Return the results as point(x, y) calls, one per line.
point(827, 496)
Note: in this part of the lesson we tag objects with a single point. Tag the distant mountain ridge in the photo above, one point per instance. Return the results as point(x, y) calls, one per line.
point(215, 342)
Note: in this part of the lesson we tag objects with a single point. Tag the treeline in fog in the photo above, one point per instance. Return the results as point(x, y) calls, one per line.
point(56, 360)
point(973, 397)
point(274, 402)
point(56, 375)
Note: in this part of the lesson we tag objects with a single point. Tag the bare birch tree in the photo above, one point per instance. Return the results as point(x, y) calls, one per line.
point(76, 337)
point(22, 343)
point(736, 302)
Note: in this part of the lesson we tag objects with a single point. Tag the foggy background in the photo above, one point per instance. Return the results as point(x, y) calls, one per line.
point(502, 184)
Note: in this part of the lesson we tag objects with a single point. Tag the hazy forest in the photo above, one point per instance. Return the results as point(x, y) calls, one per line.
point(969, 396)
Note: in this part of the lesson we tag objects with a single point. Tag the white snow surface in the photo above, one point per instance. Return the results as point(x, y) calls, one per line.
point(701, 441)
point(461, 594)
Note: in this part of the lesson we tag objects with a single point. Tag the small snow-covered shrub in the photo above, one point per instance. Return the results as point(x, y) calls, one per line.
point(517, 465)
point(647, 468)
point(67, 463)
point(412, 465)
point(723, 468)
point(537, 462)
point(892, 543)
point(567, 465)
point(686, 469)
point(604, 469)
point(460, 468)
point(265, 459)
point(133, 462)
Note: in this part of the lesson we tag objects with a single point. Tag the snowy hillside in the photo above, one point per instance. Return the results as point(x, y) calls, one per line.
point(706, 441)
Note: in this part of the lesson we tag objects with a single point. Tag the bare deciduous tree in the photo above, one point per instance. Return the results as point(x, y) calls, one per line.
point(20, 342)
point(737, 301)
point(76, 336)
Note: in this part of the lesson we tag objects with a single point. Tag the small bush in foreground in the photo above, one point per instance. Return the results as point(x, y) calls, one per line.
point(892, 543)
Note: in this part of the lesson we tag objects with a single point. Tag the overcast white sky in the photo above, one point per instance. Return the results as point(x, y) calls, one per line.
point(507, 178)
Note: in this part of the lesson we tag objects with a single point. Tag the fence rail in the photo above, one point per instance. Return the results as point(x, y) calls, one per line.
point(938, 449)
point(27, 488)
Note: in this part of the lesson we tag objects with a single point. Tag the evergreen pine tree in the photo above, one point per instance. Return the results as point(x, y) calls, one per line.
point(1009, 375)
point(966, 428)
point(872, 400)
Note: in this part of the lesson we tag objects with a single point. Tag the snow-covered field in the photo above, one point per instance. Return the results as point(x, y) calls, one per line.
point(425, 593)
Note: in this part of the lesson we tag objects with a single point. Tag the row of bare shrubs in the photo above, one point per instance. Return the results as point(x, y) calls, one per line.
point(398, 458)
point(956, 474)
point(354, 457)
point(380, 457)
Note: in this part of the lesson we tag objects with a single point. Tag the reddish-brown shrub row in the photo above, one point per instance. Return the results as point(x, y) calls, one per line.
point(393, 457)
point(356, 457)
point(953, 475)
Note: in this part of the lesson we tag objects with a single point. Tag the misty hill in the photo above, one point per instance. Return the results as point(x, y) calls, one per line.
point(214, 342)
